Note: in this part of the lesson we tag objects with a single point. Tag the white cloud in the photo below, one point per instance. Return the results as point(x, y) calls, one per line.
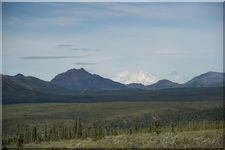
point(127, 77)
point(176, 77)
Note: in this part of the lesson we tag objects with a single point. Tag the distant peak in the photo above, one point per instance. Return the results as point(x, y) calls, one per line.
point(212, 72)
point(19, 75)
point(74, 71)
point(164, 80)
point(82, 69)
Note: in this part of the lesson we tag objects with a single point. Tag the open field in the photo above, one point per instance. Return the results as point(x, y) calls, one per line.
point(121, 116)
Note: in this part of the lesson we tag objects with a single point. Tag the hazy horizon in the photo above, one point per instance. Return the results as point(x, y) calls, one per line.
point(126, 42)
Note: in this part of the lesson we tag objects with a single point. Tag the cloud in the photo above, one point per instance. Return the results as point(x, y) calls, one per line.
point(84, 63)
point(64, 45)
point(174, 73)
point(80, 49)
point(176, 77)
point(127, 77)
point(50, 57)
point(84, 49)
point(75, 49)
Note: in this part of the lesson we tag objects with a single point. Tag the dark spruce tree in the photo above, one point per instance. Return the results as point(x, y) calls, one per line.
point(34, 134)
point(20, 141)
point(79, 129)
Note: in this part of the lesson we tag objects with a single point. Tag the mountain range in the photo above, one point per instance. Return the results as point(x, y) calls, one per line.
point(80, 85)
point(209, 79)
point(80, 79)
point(161, 84)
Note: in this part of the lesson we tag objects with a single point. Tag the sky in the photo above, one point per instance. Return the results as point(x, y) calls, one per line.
point(126, 42)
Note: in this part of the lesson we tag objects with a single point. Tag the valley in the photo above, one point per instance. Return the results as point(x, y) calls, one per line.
point(80, 109)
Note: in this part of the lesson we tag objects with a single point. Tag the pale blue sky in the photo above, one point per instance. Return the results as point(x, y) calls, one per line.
point(176, 41)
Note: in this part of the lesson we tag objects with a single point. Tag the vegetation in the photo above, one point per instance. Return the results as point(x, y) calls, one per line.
point(18, 94)
point(173, 136)
point(190, 139)
point(95, 124)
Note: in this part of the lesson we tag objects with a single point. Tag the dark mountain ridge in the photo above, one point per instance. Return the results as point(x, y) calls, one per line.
point(209, 79)
point(32, 84)
point(163, 84)
point(80, 79)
